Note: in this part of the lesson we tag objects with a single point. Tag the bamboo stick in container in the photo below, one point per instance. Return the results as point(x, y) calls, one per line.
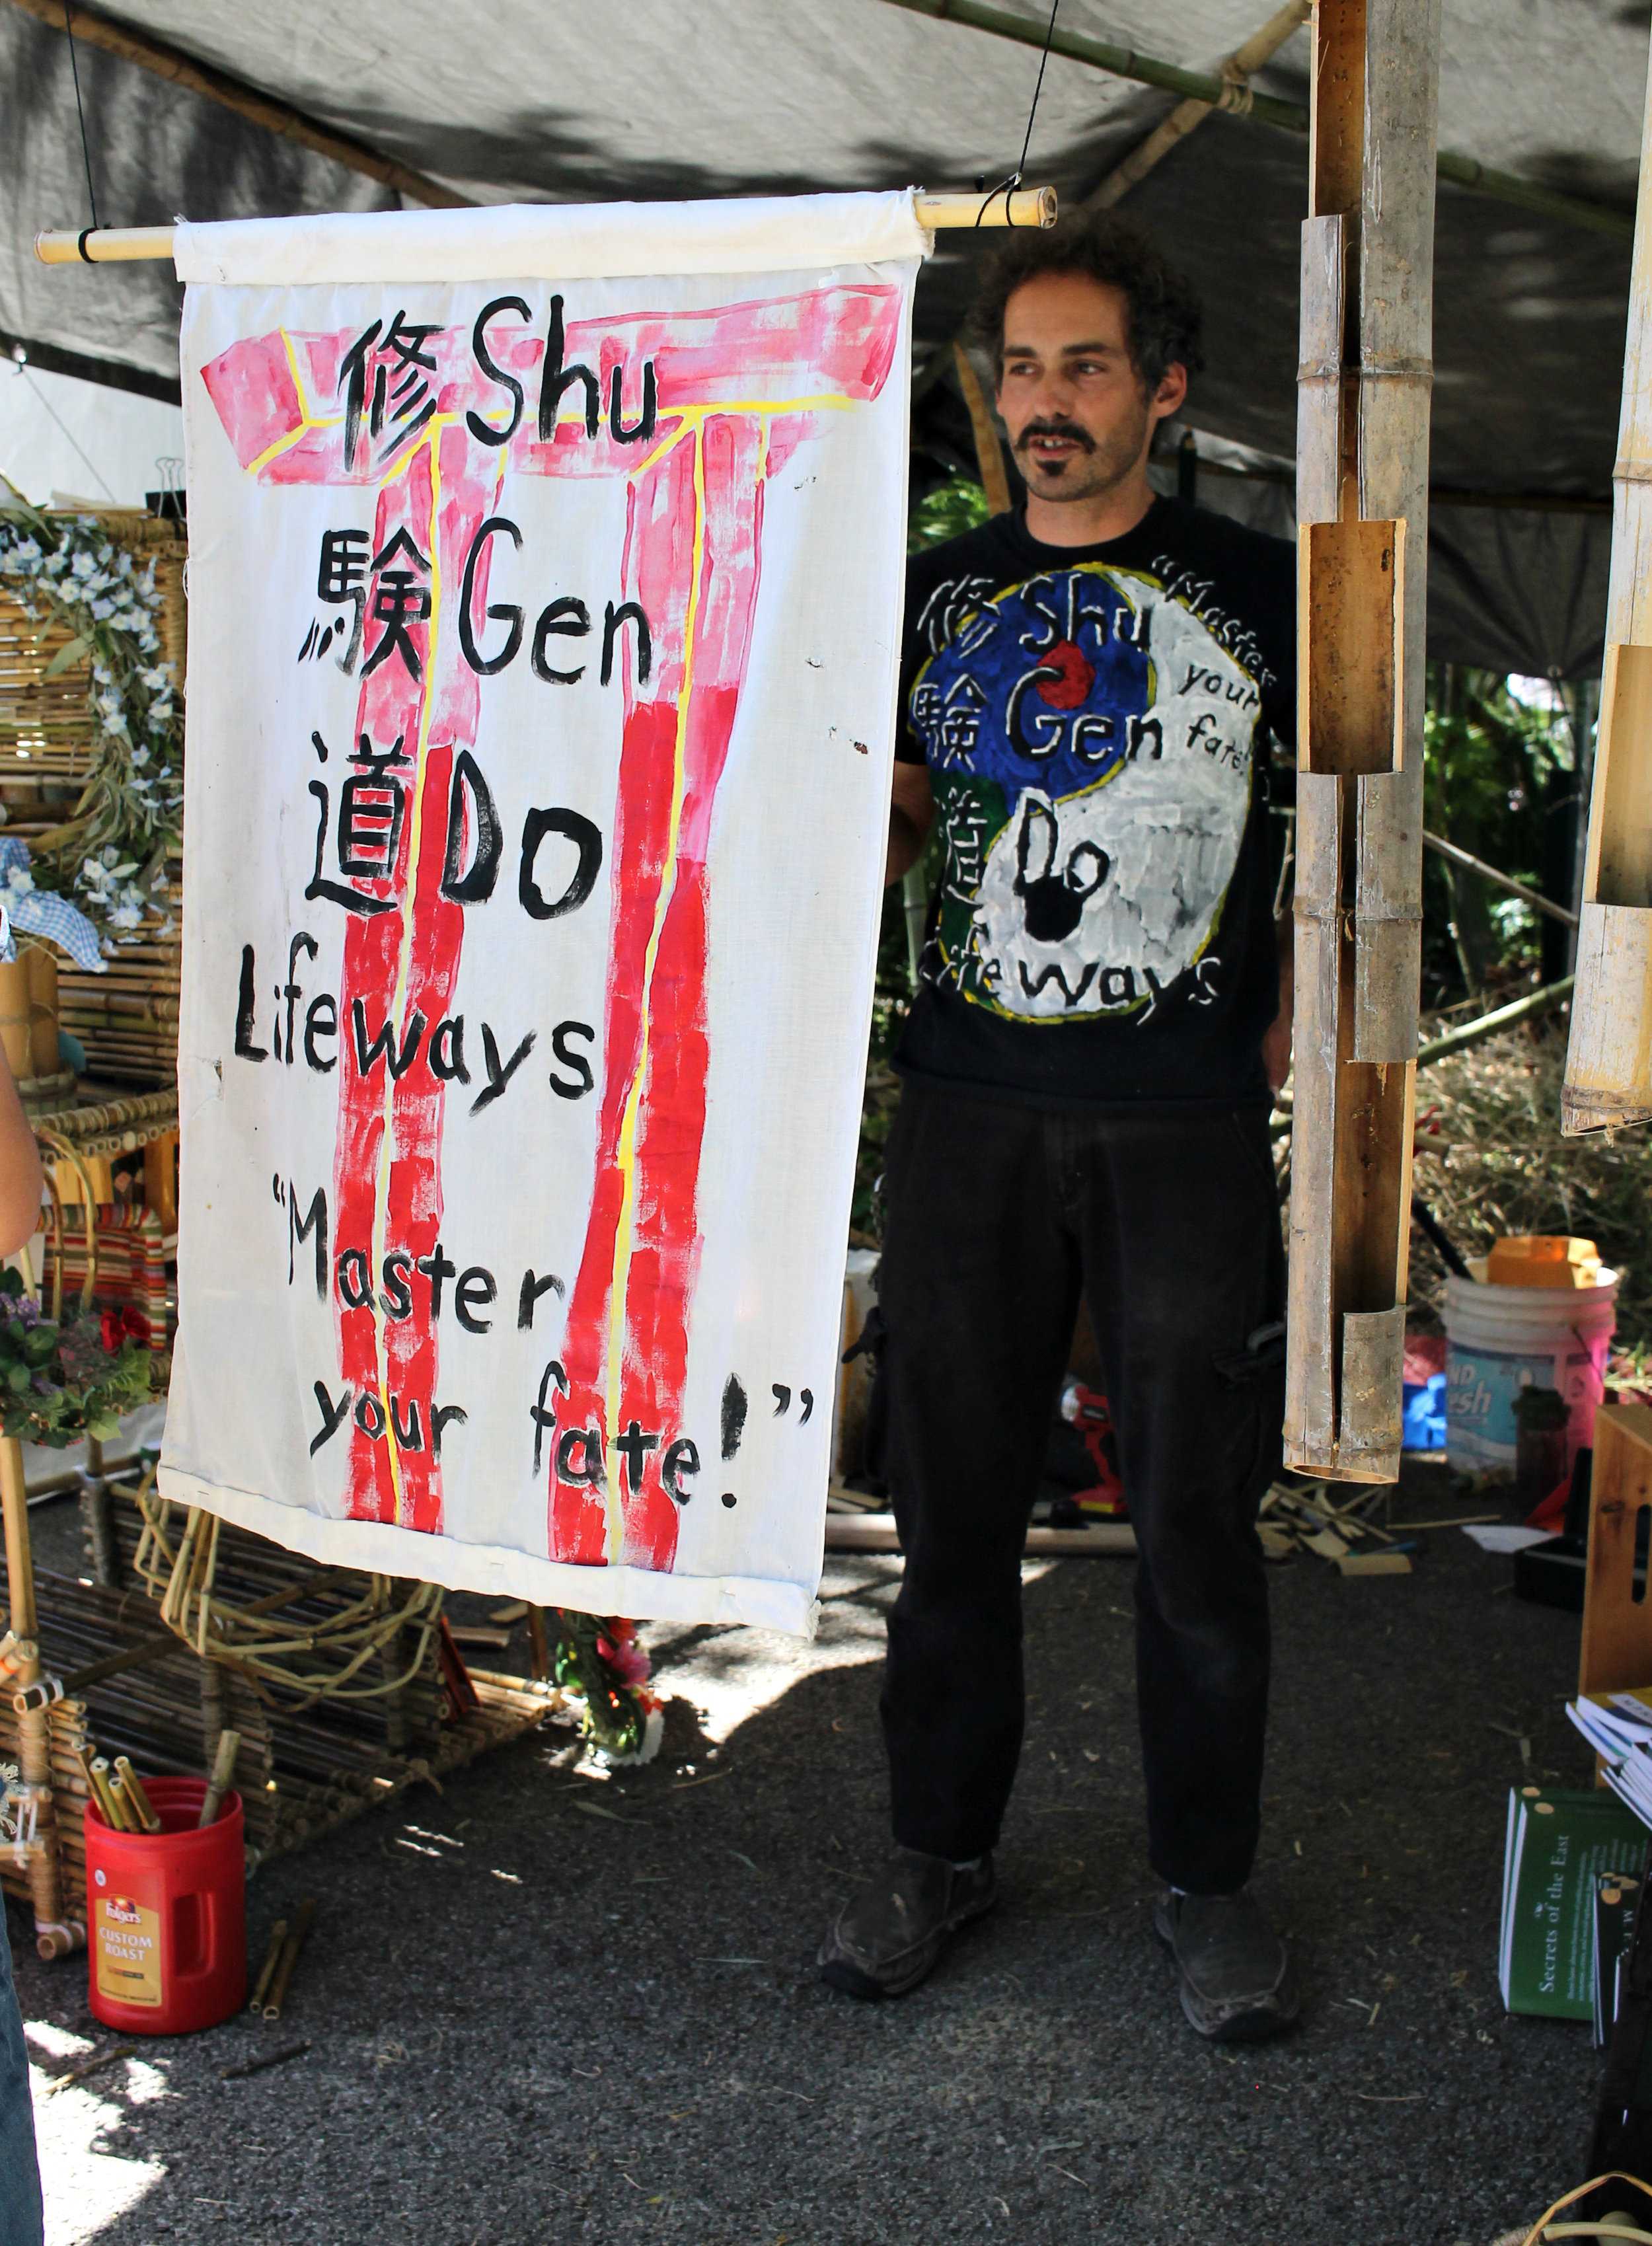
point(108, 1800)
point(136, 1795)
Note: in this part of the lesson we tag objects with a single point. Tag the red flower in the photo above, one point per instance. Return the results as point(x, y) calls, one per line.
point(123, 1324)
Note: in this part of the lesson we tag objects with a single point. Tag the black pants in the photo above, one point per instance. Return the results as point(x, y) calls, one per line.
point(998, 1214)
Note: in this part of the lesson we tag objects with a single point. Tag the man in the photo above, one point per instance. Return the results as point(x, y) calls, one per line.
point(1088, 691)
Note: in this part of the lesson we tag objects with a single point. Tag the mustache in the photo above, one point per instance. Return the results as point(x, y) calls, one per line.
point(1067, 429)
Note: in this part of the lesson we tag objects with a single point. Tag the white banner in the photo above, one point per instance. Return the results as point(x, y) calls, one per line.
point(544, 630)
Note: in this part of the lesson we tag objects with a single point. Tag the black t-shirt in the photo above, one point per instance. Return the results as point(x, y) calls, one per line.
point(1096, 721)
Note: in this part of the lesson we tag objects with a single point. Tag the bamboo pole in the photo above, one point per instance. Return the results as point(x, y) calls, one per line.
point(1608, 1063)
point(995, 480)
point(125, 245)
point(1535, 898)
point(1362, 507)
point(232, 93)
point(1488, 1025)
point(1268, 109)
point(53, 1936)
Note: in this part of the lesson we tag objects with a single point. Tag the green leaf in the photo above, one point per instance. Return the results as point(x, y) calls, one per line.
point(65, 656)
point(18, 1378)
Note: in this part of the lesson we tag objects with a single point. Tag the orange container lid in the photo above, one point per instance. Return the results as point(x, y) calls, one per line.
point(1543, 1259)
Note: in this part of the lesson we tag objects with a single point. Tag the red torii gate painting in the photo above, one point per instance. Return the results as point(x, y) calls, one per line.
point(693, 411)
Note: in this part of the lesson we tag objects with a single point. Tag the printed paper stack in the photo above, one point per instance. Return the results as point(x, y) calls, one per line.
point(1618, 1725)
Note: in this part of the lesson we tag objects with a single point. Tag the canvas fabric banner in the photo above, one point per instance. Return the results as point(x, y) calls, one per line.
point(545, 595)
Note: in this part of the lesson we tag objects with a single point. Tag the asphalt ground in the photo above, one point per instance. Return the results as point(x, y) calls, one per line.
point(550, 2006)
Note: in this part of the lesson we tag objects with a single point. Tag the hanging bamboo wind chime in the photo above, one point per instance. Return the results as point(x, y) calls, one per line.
point(1608, 1062)
point(1362, 507)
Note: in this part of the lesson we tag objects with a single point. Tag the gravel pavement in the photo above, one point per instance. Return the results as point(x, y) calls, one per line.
point(550, 2006)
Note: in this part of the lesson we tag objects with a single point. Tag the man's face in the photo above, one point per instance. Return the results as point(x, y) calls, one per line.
point(1079, 417)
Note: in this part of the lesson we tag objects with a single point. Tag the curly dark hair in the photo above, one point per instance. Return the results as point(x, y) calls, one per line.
point(1166, 317)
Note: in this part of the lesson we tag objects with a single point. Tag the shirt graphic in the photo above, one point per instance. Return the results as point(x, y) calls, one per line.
point(1090, 744)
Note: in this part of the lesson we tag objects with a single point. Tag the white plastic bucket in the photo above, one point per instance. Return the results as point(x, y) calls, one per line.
point(1501, 1339)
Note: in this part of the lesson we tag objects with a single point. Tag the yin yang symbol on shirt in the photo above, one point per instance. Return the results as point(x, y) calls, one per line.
point(1090, 746)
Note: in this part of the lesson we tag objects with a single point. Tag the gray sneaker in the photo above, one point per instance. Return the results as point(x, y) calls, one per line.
point(888, 1936)
point(1236, 1982)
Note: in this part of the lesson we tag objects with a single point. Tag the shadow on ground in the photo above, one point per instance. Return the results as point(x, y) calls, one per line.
point(545, 2008)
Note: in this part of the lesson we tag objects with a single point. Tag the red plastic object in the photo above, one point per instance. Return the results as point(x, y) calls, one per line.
point(167, 1914)
point(1088, 1410)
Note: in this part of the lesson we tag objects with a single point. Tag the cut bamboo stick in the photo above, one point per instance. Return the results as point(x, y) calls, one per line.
point(297, 1936)
point(267, 1971)
point(1362, 503)
point(136, 1796)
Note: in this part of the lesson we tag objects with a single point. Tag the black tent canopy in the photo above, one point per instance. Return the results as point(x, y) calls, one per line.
point(499, 100)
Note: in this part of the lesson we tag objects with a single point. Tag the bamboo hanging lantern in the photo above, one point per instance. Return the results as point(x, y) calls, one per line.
point(1362, 507)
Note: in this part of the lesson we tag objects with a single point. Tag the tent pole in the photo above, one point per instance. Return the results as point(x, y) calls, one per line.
point(1187, 116)
point(1362, 545)
point(1608, 1070)
point(258, 108)
point(119, 245)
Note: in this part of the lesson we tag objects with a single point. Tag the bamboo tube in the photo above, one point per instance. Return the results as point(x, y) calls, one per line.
point(14, 1016)
point(112, 1799)
point(223, 1770)
point(96, 1781)
point(266, 1972)
point(136, 1796)
point(290, 1948)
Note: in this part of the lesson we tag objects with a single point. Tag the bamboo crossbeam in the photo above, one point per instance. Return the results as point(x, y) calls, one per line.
point(1211, 87)
point(1188, 115)
point(125, 245)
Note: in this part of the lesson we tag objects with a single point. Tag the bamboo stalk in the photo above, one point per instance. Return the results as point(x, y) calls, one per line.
point(223, 1770)
point(1488, 1025)
point(1535, 898)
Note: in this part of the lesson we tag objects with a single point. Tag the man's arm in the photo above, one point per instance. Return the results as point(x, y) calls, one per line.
point(1276, 1040)
point(20, 1181)
point(912, 809)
